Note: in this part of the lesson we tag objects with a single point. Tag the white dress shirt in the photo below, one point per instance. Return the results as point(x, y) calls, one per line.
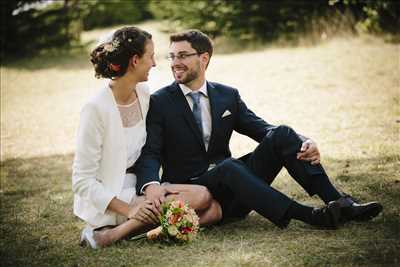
point(205, 109)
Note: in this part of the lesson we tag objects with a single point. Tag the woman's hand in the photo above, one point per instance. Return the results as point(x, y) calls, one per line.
point(145, 212)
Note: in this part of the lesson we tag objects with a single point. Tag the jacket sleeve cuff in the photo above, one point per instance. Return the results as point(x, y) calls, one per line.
point(102, 202)
point(149, 183)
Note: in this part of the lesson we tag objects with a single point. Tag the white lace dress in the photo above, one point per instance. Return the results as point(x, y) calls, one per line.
point(135, 134)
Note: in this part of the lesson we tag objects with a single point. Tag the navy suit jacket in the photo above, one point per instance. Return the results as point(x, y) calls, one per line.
point(174, 141)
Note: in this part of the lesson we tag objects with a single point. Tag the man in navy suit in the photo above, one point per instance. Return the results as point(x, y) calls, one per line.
point(189, 126)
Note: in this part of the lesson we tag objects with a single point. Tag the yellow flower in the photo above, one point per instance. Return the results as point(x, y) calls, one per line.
point(172, 230)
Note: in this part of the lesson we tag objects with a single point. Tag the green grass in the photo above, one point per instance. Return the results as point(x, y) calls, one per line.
point(344, 93)
point(37, 226)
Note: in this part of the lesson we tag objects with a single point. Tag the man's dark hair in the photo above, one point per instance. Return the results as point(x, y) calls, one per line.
point(199, 41)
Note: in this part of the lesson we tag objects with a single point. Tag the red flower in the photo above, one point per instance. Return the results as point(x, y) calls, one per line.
point(186, 230)
point(114, 67)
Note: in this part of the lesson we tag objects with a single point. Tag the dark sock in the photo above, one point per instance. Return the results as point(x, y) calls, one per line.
point(324, 188)
point(299, 212)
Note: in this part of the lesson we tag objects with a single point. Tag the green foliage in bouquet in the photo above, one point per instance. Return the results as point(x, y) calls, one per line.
point(178, 223)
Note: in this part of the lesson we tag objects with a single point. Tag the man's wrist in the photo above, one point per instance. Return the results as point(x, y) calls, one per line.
point(149, 187)
point(146, 186)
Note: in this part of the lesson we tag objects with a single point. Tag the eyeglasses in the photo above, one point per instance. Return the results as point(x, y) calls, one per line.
point(172, 57)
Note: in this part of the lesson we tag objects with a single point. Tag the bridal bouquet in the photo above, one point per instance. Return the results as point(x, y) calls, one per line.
point(178, 222)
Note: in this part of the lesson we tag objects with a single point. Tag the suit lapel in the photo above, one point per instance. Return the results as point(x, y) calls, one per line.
point(183, 108)
point(215, 107)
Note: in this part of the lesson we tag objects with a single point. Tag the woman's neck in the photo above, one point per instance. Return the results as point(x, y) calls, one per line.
point(124, 90)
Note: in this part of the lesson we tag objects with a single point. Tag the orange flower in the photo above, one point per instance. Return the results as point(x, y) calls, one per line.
point(178, 222)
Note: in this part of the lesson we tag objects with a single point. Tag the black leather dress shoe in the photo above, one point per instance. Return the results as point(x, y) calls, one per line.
point(351, 210)
point(328, 216)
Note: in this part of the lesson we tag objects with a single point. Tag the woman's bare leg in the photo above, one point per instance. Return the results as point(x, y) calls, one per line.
point(199, 198)
point(108, 236)
point(211, 215)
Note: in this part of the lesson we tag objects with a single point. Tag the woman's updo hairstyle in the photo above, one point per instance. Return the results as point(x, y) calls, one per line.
point(111, 58)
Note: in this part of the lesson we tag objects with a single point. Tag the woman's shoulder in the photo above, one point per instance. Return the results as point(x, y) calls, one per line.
point(143, 92)
point(98, 101)
point(143, 88)
point(102, 95)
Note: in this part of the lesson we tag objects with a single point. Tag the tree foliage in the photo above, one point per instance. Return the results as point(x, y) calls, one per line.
point(268, 19)
point(373, 15)
point(29, 26)
point(106, 13)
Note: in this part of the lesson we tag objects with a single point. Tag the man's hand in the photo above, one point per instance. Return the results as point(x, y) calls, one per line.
point(156, 194)
point(309, 152)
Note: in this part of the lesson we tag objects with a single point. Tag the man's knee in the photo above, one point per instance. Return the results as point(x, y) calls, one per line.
point(283, 131)
point(283, 137)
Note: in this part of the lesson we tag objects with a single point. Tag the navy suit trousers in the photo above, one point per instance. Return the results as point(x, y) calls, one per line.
point(244, 185)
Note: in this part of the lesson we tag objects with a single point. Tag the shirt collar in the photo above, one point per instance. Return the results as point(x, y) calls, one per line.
point(186, 90)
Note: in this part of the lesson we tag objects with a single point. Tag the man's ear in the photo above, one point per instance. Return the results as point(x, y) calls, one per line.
point(205, 58)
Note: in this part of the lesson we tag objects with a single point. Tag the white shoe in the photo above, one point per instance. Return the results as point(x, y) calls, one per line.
point(87, 238)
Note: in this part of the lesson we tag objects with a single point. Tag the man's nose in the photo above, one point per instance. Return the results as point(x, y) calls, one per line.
point(175, 61)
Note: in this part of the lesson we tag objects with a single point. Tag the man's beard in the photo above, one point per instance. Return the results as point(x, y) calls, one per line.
point(191, 76)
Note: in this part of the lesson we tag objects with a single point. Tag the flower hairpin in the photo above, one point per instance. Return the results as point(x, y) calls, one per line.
point(111, 46)
point(114, 67)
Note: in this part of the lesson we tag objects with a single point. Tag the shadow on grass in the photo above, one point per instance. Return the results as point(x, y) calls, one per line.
point(35, 192)
point(38, 227)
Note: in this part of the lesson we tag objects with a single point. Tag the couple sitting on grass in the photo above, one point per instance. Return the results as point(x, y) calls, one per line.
point(126, 135)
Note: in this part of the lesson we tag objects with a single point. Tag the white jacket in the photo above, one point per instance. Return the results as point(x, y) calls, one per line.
point(99, 166)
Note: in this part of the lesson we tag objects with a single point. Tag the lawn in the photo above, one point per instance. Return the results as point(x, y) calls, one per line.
point(343, 92)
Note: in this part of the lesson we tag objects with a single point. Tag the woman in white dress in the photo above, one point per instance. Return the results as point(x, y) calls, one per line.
point(110, 138)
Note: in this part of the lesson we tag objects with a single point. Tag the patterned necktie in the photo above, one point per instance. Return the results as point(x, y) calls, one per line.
point(197, 109)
